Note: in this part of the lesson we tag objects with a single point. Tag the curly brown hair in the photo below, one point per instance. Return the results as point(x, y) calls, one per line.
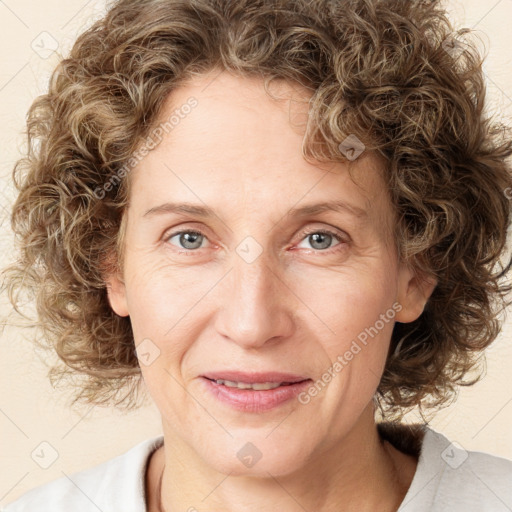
point(393, 73)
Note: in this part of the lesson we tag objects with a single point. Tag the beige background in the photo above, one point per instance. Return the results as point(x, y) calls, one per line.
point(31, 412)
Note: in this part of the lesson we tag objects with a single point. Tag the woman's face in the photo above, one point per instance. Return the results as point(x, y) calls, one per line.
point(243, 280)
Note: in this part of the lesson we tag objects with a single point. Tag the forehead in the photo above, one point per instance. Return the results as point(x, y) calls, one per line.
point(241, 149)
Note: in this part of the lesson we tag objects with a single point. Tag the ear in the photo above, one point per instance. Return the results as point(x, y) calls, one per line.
point(116, 288)
point(116, 291)
point(414, 290)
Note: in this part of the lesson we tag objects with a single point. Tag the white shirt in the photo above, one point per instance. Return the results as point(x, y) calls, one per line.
point(447, 478)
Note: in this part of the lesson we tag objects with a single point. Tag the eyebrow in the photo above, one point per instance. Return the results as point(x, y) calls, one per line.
point(302, 211)
point(337, 206)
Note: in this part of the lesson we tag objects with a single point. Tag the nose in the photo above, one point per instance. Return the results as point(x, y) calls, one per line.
point(255, 304)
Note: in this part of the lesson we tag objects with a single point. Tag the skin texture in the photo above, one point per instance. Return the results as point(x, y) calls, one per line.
point(295, 308)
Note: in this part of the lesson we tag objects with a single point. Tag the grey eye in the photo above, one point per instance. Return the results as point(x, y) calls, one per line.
point(188, 239)
point(321, 240)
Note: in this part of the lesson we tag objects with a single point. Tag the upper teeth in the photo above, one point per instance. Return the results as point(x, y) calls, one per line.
point(243, 385)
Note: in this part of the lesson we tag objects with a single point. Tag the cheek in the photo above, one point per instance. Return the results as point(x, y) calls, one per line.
point(358, 308)
point(349, 306)
point(158, 295)
point(167, 315)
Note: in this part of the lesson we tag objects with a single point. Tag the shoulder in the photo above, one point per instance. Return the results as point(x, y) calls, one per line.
point(116, 483)
point(449, 477)
point(471, 480)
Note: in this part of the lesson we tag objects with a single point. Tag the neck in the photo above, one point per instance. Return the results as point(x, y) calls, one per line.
point(363, 472)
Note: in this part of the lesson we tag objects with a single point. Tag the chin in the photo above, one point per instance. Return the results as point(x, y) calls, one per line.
point(258, 456)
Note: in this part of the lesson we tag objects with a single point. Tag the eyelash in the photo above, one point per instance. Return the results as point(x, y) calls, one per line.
point(304, 236)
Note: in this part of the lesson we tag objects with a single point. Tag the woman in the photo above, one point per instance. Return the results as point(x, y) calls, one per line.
point(279, 217)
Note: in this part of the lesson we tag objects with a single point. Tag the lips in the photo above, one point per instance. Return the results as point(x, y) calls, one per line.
point(254, 392)
point(255, 377)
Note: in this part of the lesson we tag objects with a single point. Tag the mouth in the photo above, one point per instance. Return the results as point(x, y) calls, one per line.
point(256, 392)
point(256, 386)
point(255, 380)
